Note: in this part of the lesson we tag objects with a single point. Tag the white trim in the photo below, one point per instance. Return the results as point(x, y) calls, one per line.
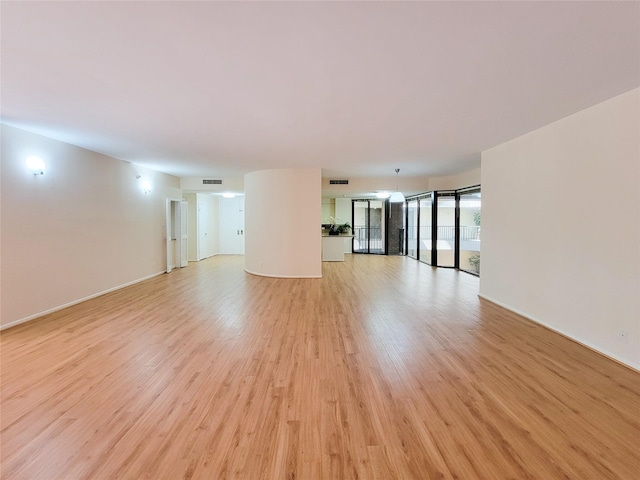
point(75, 302)
point(169, 247)
point(212, 255)
point(612, 356)
point(281, 276)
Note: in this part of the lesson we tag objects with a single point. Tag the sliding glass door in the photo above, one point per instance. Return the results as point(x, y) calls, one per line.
point(446, 229)
point(470, 206)
point(412, 228)
point(441, 228)
point(426, 230)
point(369, 226)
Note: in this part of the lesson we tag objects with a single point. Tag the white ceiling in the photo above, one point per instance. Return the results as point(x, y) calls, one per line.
point(356, 88)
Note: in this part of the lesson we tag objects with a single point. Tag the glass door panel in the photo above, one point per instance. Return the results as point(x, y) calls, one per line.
point(369, 226)
point(425, 230)
point(376, 226)
point(361, 226)
point(470, 205)
point(412, 228)
point(446, 234)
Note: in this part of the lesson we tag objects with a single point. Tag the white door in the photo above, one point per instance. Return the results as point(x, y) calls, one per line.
point(203, 231)
point(168, 237)
point(240, 220)
point(184, 246)
point(176, 233)
point(232, 226)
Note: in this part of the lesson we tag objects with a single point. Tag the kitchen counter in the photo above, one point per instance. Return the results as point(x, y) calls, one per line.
point(333, 247)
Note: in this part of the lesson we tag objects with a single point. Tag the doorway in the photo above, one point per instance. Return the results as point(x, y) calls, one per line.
point(176, 234)
point(203, 231)
point(470, 204)
point(446, 234)
point(369, 227)
point(232, 226)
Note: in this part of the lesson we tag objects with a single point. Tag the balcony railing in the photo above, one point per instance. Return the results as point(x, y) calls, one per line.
point(470, 232)
point(445, 232)
point(371, 238)
point(365, 237)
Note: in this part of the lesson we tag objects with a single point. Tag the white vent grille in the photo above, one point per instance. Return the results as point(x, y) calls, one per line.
point(338, 182)
point(212, 182)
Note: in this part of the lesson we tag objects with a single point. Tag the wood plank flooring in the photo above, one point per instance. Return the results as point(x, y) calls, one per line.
point(384, 369)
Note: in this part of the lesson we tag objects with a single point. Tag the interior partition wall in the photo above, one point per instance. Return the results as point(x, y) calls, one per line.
point(282, 197)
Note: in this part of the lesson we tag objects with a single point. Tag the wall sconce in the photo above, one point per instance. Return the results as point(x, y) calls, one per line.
point(144, 185)
point(36, 165)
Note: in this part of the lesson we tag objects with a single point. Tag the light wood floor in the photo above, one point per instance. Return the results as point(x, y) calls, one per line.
point(385, 368)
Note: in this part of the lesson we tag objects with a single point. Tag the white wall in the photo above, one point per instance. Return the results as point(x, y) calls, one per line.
point(454, 182)
point(328, 209)
point(344, 214)
point(561, 226)
point(343, 210)
point(409, 185)
point(229, 184)
point(283, 237)
point(192, 225)
point(83, 228)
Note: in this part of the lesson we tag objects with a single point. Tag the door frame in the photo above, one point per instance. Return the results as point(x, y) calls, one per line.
point(173, 229)
point(201, 245)
point(231, 218)
point(383, 226)
point(184, 234)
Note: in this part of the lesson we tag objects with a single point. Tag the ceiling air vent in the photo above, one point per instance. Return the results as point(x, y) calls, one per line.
point(212, 182)
point(338, 182)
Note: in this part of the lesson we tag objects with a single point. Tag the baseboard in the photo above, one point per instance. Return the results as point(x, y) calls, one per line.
point(560, 332)
point(281, 276)
point(75, 302)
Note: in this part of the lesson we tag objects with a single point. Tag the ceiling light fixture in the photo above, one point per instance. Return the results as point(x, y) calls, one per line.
point(229, 195)
point(383, 195)
point(397, 196)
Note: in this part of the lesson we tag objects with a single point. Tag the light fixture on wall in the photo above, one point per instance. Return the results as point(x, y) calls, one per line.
point(397, 196)
point(144, 185)
point(36, 165)
point(229, 195)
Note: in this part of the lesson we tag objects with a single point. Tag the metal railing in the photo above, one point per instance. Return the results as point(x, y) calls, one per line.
point(445, 232)
point(470, 232)
point(371, 238)
point(367, 238)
